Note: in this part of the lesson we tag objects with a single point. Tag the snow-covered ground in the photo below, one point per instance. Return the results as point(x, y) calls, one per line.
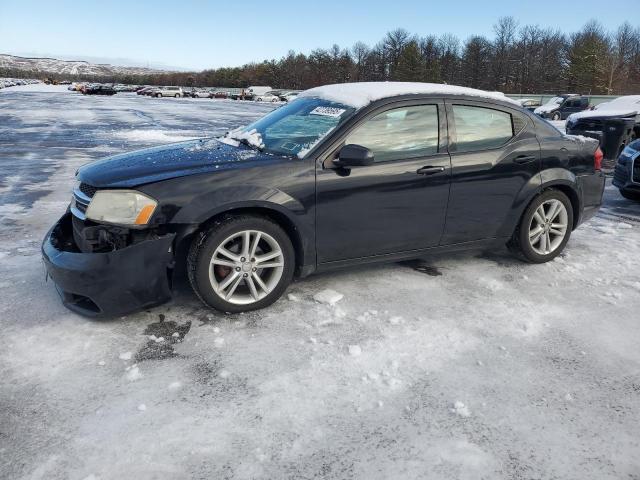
point(467, 366)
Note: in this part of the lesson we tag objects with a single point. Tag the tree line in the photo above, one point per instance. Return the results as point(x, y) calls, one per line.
point(517, 59)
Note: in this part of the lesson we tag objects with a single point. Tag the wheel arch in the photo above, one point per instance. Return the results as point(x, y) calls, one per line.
point(271, 212)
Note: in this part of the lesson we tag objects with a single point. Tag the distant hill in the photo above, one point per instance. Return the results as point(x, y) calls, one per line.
point(70, 67)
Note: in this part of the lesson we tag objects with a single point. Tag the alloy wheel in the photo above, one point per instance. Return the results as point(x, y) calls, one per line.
point(246, 267)
point(548, 227)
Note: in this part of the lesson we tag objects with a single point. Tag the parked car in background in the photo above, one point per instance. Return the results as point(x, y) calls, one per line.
point(529, 103)
point(219, 94)
point(614, 124)
point(168, 92)
point(560, 107)
point(339, 177)
point(99, 90)
point(626, 175)
point(267, 97)
point(288, 96)
point(201, 93)
point(144, 90)
point(254, 91)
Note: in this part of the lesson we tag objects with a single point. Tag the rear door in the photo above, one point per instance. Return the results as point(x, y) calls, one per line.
point(397, 204)
point(494, 155)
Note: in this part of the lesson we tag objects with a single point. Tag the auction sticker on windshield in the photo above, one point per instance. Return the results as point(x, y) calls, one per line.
point(327, 111)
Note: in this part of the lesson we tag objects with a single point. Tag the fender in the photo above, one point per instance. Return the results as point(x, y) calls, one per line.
point(527, 193)
point(209, 204)
point(549, 177)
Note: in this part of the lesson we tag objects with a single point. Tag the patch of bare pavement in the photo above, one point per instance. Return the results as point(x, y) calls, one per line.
point(467, 366)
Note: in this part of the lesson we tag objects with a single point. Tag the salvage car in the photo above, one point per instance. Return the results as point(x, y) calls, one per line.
point(343, 175)
point(560, 107)
point(626, 175)
point(615, 124)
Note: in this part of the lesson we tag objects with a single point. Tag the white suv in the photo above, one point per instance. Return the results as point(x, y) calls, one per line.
point(169, 92)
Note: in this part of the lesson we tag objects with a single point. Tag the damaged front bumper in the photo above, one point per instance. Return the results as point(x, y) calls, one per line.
point(104, 284)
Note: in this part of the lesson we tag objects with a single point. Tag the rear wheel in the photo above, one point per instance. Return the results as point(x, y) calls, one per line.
point(242, 263)
point(544, 229)
point(177, 95)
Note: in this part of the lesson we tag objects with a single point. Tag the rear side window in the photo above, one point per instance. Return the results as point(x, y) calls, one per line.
point(479, 128)
point(400, 133)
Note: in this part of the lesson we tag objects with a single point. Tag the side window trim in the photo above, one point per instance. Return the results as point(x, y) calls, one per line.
point(451, 124)
point(334, 146)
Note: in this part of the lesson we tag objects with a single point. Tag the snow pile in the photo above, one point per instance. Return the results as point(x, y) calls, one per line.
point(328, 296)
point(461, 409)
point(361, 94)
point(355, 350)
point(251, 137)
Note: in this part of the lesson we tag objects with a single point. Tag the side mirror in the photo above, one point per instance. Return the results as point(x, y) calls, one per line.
point(354, 156)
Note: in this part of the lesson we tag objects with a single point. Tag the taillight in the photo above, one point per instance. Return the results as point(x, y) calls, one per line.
point(597, 159)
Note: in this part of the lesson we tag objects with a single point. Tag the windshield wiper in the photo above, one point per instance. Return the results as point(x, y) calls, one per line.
point(245, 141)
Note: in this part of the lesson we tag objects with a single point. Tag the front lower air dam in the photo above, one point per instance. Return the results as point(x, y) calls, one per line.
point(111, 283)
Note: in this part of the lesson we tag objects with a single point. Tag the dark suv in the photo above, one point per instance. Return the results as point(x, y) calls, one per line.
point(343, 175)
point(626, 175)
point(560, 107)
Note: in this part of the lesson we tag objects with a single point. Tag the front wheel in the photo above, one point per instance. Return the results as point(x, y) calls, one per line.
point(544, 229)
point(556, 116)
point(242, 263)
point(630, 195)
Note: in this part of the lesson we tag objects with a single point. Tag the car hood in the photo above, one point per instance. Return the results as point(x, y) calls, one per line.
point(169, 161)
point(546, 108)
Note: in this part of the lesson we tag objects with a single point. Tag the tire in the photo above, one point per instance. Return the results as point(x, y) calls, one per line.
point(208, 279)
point(630, 195)
point(529, 241)
point(556, 117)
point(177, 95)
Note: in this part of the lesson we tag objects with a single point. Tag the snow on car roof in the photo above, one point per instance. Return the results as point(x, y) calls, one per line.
point(361, 94)
point(618, 107)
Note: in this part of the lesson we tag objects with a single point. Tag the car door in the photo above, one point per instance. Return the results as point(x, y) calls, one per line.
point(494, 155)
point(399, 202)
point(571, 105)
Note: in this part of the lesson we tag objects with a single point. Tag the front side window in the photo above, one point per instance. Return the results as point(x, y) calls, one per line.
point(400, 133)
point(479, 128)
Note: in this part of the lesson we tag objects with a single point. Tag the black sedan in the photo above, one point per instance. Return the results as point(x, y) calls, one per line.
point(343, 175)
point(99, 90)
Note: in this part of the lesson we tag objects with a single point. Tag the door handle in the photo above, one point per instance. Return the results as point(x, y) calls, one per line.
point(429, 170)
point(525, 159)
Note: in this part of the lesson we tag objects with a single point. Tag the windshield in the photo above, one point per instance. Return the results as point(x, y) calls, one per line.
point(555, 101)
point(294, 128)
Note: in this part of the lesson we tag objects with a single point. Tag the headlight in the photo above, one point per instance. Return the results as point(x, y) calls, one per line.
point(123, 207)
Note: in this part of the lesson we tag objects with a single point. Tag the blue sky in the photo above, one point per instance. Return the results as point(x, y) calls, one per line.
point(203, 34)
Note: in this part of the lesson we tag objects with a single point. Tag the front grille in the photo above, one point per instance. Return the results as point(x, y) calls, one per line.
point(87, 189)
point(81, 206)
point(620, 174)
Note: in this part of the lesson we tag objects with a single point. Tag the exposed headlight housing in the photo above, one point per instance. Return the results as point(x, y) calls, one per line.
point(121, 207)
